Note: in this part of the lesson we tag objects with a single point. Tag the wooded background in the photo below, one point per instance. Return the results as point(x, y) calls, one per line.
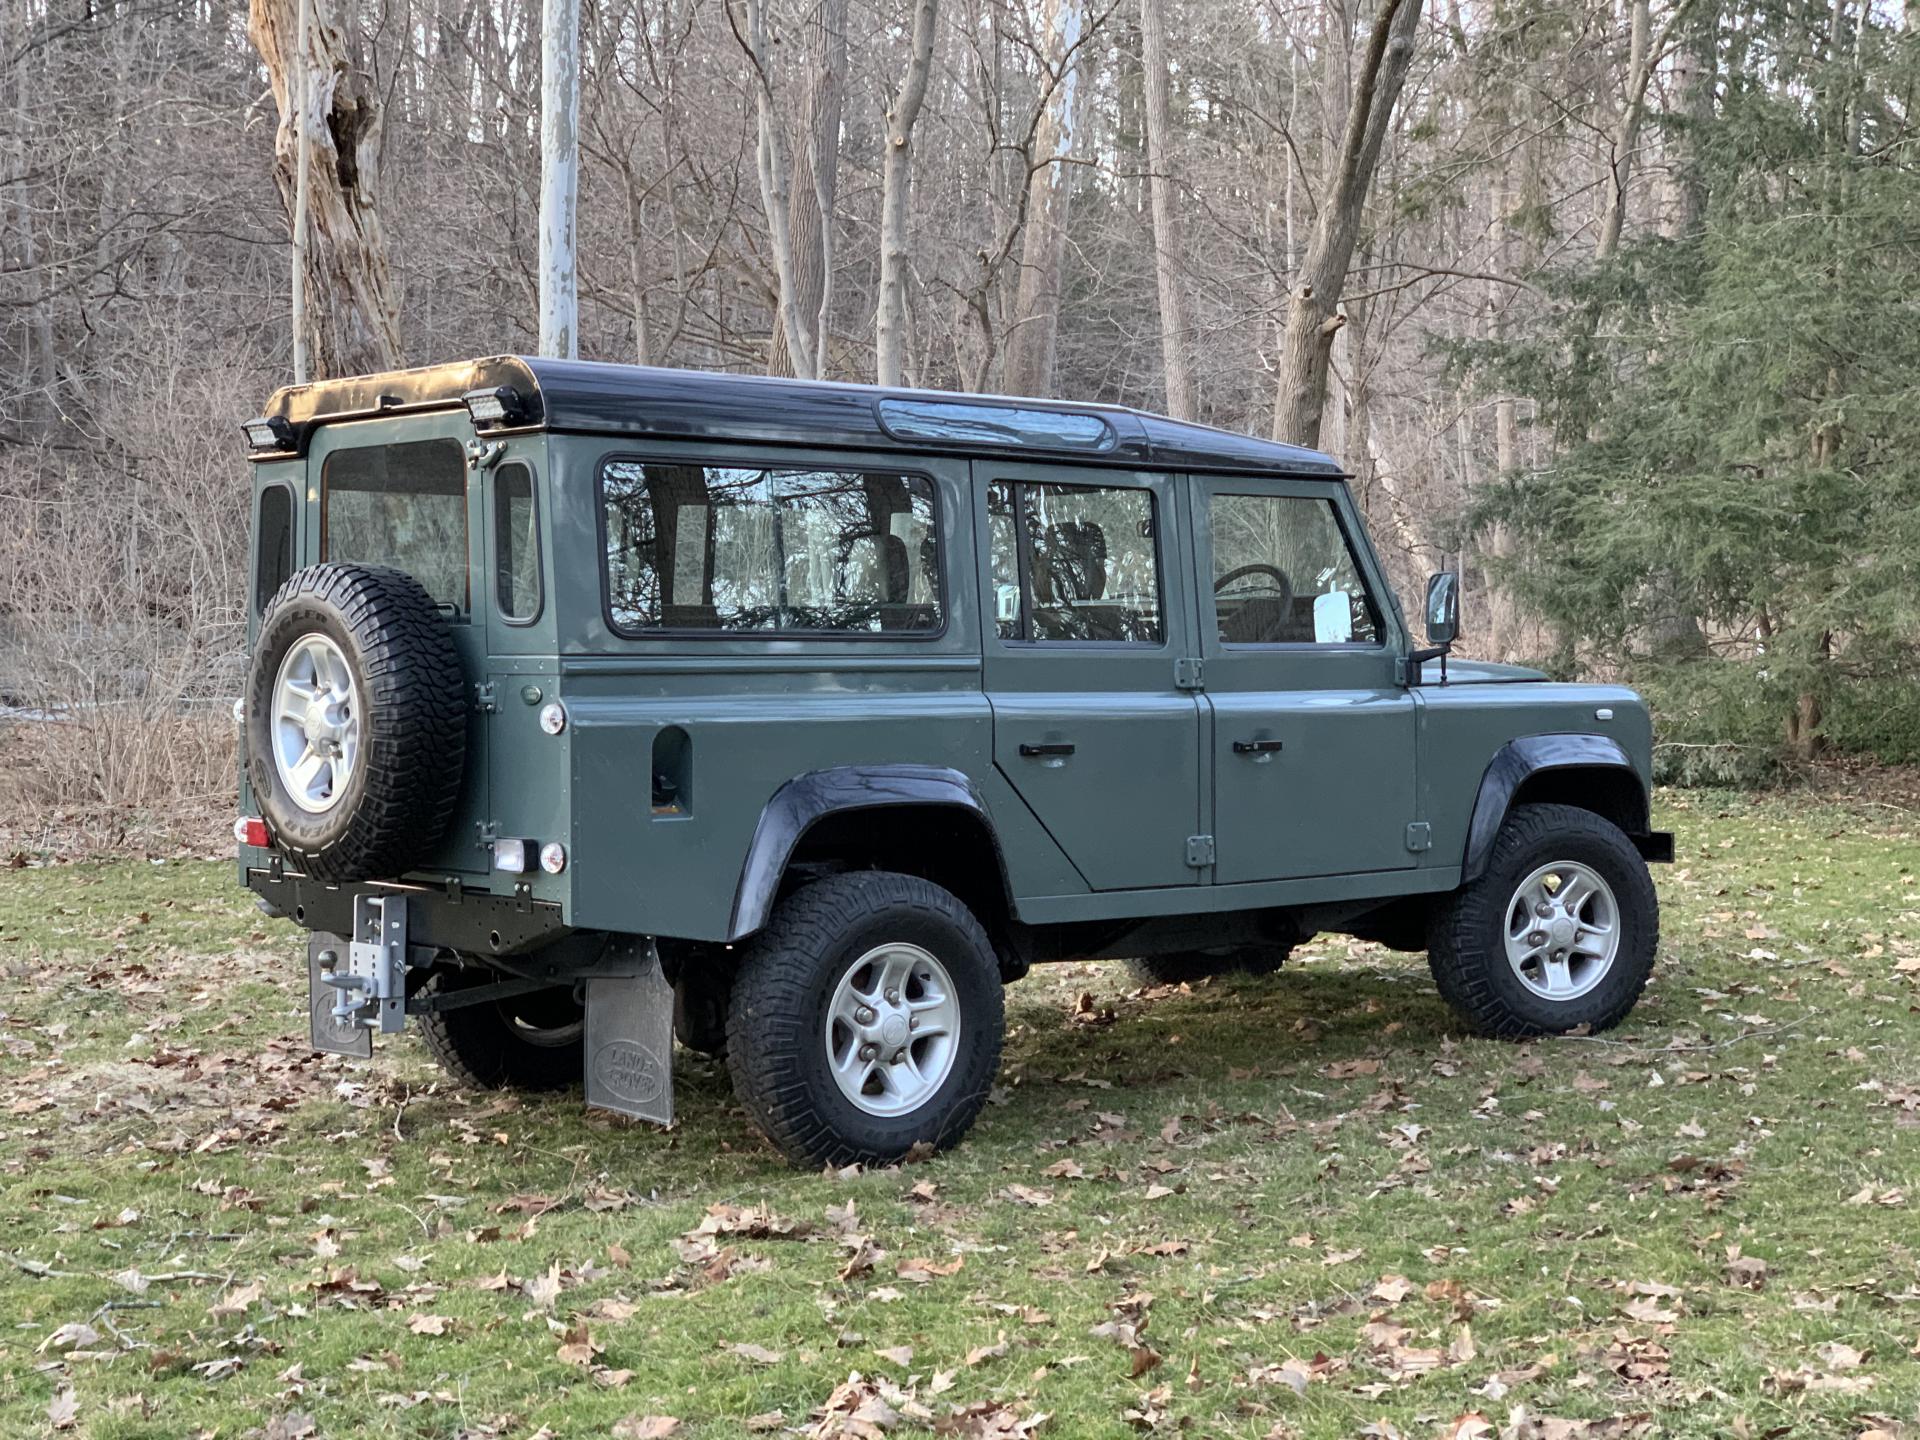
point(1625, 320)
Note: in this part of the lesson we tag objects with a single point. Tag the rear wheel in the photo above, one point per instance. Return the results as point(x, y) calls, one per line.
point(865, 1018)
point(1558, 932)
point(535, 1041)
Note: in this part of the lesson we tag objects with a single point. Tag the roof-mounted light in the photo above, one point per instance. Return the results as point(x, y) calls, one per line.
point(268, 432)
point(500, 406)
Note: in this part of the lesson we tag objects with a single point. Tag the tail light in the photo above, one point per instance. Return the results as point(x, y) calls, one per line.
point(250, 831)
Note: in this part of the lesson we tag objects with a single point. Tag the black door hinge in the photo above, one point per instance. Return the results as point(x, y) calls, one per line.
point(484, 698)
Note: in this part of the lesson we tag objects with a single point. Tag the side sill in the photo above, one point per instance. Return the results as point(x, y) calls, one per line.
point(1215, 899)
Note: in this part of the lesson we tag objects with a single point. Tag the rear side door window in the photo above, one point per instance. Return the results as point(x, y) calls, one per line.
point(402, 505)
point(1074, 563)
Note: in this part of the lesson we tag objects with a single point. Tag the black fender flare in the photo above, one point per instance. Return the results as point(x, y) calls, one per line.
point(1519, 760)
point(806, 799)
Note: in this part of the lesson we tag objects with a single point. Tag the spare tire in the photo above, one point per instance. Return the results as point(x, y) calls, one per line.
point(356, 722)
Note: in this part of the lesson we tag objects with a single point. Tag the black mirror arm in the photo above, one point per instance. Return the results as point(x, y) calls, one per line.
point(1417, 658)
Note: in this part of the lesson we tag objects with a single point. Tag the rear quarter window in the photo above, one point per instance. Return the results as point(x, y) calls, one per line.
point(764, 551)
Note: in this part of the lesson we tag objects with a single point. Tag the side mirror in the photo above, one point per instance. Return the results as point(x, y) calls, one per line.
point(1443, 608)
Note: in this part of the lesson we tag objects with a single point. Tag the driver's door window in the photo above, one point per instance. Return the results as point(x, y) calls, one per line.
point(1283, 574)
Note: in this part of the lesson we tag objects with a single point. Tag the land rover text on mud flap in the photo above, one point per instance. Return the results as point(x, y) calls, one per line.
point(592, 705)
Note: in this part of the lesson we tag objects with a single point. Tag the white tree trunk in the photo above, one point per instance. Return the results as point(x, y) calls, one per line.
point(896, 185)
point(796, 325)
point(559, 177)
point(1174, 336)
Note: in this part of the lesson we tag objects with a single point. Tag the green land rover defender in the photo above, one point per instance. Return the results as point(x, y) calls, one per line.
point(592, 705)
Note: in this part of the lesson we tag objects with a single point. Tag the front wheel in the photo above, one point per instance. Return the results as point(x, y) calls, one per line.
point(1558, 932)
point(865, 1019)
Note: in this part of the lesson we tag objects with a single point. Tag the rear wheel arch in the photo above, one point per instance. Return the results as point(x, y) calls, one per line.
point(1587, 772)
point(921, 820)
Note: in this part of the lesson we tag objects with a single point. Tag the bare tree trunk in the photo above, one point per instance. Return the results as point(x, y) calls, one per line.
point(1036, 317)
point(1313, 315)
point(795, 326)
point(896, 185)
point(1694, 75)
point(559, 177)
point(1626, 131)
point(1174, 337)
point(357, 327)
point(812, 185)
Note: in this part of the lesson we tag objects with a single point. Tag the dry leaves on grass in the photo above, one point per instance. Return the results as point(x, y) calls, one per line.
point(646, 1427)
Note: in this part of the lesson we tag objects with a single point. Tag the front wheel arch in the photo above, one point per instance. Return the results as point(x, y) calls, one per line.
point(1586, 772)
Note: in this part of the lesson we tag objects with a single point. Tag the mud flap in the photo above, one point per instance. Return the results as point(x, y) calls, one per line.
point(328, 1032)
point(630, 1036)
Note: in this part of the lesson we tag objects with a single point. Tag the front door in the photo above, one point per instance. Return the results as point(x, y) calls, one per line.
point(397, 492)
point(1312, 757)
point(1086, 616)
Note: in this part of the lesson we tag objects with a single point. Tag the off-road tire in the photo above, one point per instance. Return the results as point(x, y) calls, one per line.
point(1466, 947)
point(777, 1014)
point(401, 797)
point(1186, 966)
point(484, 1047)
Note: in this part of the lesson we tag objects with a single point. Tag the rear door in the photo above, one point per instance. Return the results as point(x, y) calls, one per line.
point(1312, 750)
point(1085, 607)
point(398, 492)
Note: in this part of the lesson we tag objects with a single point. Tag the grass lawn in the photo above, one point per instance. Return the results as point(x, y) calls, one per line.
point(1295, 1206)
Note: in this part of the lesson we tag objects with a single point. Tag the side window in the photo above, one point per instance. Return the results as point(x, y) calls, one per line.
point(748, 550)
point(273, 558)
point(516, 544)
point(1283, 574)
point(403, 505)
point(1074, 563)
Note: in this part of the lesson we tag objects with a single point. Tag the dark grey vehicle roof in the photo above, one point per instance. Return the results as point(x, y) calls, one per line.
point(588, 397)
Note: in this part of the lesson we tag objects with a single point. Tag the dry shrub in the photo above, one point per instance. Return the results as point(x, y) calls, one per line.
point(122, 621)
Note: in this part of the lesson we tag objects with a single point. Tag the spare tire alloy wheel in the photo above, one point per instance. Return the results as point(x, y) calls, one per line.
point(356, 722)
point(316, 723)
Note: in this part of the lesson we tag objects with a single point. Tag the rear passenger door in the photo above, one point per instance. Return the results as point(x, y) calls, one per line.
point(1084, 600)
point(1312, 761)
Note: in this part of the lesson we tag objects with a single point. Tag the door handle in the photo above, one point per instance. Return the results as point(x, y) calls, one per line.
point(1256, 747)
point(1051, 748)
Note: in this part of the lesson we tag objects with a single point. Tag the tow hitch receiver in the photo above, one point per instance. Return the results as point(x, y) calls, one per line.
point(352, 994)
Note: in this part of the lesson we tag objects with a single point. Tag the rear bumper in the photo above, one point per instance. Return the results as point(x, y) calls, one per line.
point(1655, 847)
point(440, 916)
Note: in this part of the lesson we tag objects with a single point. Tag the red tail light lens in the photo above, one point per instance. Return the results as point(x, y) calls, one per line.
point(253, 832)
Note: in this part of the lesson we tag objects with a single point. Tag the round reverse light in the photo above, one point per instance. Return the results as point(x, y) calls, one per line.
point(553, 857)
point(553, 718)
